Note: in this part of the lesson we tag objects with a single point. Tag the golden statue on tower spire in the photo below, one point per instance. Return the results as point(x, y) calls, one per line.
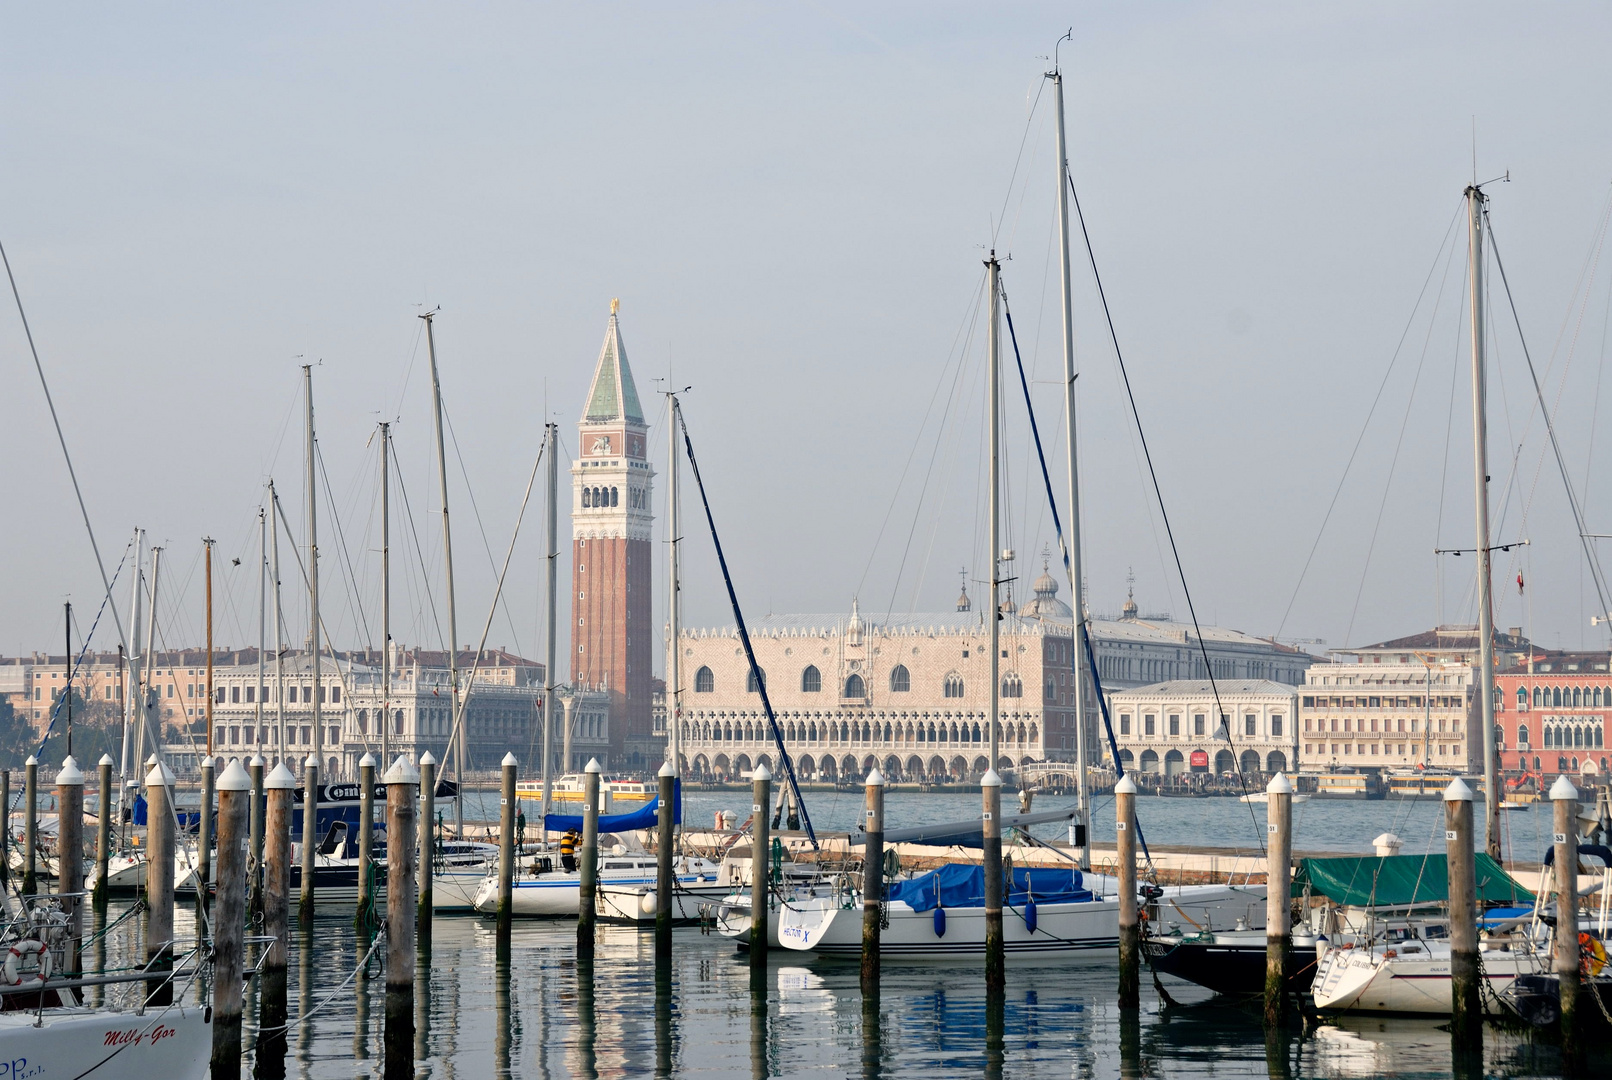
point(615, 305)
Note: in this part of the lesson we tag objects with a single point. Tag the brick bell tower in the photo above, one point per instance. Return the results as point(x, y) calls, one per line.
point(611, 551)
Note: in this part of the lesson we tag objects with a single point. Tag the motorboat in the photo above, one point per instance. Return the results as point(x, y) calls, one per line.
point(542, 890)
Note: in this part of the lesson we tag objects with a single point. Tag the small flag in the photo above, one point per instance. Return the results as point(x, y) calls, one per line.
point(1519, 582)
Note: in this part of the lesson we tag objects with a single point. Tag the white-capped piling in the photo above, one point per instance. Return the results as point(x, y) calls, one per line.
point(5, 834)
point(1278, 905)
point(1564, 835)
point(229, 919)
point(506, 850)
point(103, 830)
point(30, 827)
point(70, 854)
point(366, 844)
point(204, 833)
point(760, 877)
point(872, 880)
point(1466, 1008)
point(159, 882)
point(588, 884)
point(278, 787)
point(254, 867)
point(1130, 933)
point(427, 826)
point(991, 819)
point(310, 840)
point(403, 781)
point(665, 898)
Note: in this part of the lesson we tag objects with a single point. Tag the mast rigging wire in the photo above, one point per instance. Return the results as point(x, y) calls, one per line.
point(61, 439)
point(744, 636)
point(1550, 429)
point(1164, 514)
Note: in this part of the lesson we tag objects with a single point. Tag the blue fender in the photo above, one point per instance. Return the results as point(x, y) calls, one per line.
point(1029, 916)
point(940, 922)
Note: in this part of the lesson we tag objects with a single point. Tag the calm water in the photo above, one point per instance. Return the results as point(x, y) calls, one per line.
point(1341, 825)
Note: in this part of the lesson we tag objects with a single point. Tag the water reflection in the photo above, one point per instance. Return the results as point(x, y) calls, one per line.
point(543, 1013)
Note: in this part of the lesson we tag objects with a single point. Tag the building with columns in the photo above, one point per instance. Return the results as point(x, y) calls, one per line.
point(612, 634)
point(910, 693)
point(1190, 726)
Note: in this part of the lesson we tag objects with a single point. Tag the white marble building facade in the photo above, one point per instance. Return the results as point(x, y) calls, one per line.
point(1188, 726)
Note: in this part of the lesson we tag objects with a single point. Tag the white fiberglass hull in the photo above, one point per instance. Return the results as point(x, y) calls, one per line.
point(557, 894)
point(174, 1044)
point(638, 904)
point(1368, 979)
point(832, 926)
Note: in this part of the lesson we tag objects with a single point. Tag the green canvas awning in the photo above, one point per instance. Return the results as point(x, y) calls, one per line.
point(1401, 881)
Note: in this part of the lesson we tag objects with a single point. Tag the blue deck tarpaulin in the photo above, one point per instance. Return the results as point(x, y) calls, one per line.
point(961, 885)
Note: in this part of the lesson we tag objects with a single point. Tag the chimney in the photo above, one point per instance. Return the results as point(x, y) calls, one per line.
point(1515, 632)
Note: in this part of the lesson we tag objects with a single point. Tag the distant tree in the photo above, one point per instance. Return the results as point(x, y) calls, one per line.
point(16, 737)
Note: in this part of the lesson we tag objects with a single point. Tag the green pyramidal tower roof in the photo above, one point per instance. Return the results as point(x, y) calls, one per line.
point(613, 396)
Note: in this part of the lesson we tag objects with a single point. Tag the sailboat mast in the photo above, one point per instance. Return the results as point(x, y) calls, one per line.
point(134, 700)
point(994, 404)
point(447, 559)
point(674, 600)
point(1480, 438)
point(313, 579)
point(207, 557)
point(148, 704)
point(386, 596)
point(1077, 589)
point(262, 622)
point(67, 665)
point(279, 630)
point(551, 604)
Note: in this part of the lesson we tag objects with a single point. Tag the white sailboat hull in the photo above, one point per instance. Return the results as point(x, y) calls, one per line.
point(1369, 980)
point(174, 1044)
point(826, 926)
point(557, 894)
point(638, 904)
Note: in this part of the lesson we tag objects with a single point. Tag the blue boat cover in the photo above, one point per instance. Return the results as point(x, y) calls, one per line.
point(645, 817)
point(960, 885)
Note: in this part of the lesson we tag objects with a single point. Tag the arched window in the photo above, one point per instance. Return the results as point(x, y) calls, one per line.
point(1539, 696)
point(1522, 697)
point(1011, 686)
point(587, 498)
point(954, 685)
point(752, 684)
point(1556, 697)
point(612, 496)
point(1522, 734)
point(855, 688)
point(900, 680)
point(704, 681)
point(811, 680)
point(363, 722)
point(1578, 697)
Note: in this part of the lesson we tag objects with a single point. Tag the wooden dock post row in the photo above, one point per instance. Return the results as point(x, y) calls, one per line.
point(872, 880)
point(588, 884)
point(1278, 904)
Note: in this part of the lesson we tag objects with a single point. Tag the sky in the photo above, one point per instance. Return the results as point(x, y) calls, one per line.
point(792, 203)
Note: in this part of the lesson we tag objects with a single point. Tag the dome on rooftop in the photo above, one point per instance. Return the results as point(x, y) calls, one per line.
point(1046, 604)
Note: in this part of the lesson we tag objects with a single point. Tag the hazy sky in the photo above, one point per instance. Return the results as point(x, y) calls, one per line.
point(792, 202)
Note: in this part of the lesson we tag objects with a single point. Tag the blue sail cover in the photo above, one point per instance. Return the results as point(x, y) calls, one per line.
point(961, 885)
point(645, 817)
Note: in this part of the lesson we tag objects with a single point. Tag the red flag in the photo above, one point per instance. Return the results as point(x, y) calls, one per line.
point(1519, 582)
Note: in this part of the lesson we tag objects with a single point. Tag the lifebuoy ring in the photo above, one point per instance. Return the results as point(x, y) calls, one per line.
point(1591, 955)
point(13, 972)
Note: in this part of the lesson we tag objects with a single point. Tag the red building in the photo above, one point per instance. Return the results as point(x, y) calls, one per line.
point(611, 557)
point(1553, 712)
